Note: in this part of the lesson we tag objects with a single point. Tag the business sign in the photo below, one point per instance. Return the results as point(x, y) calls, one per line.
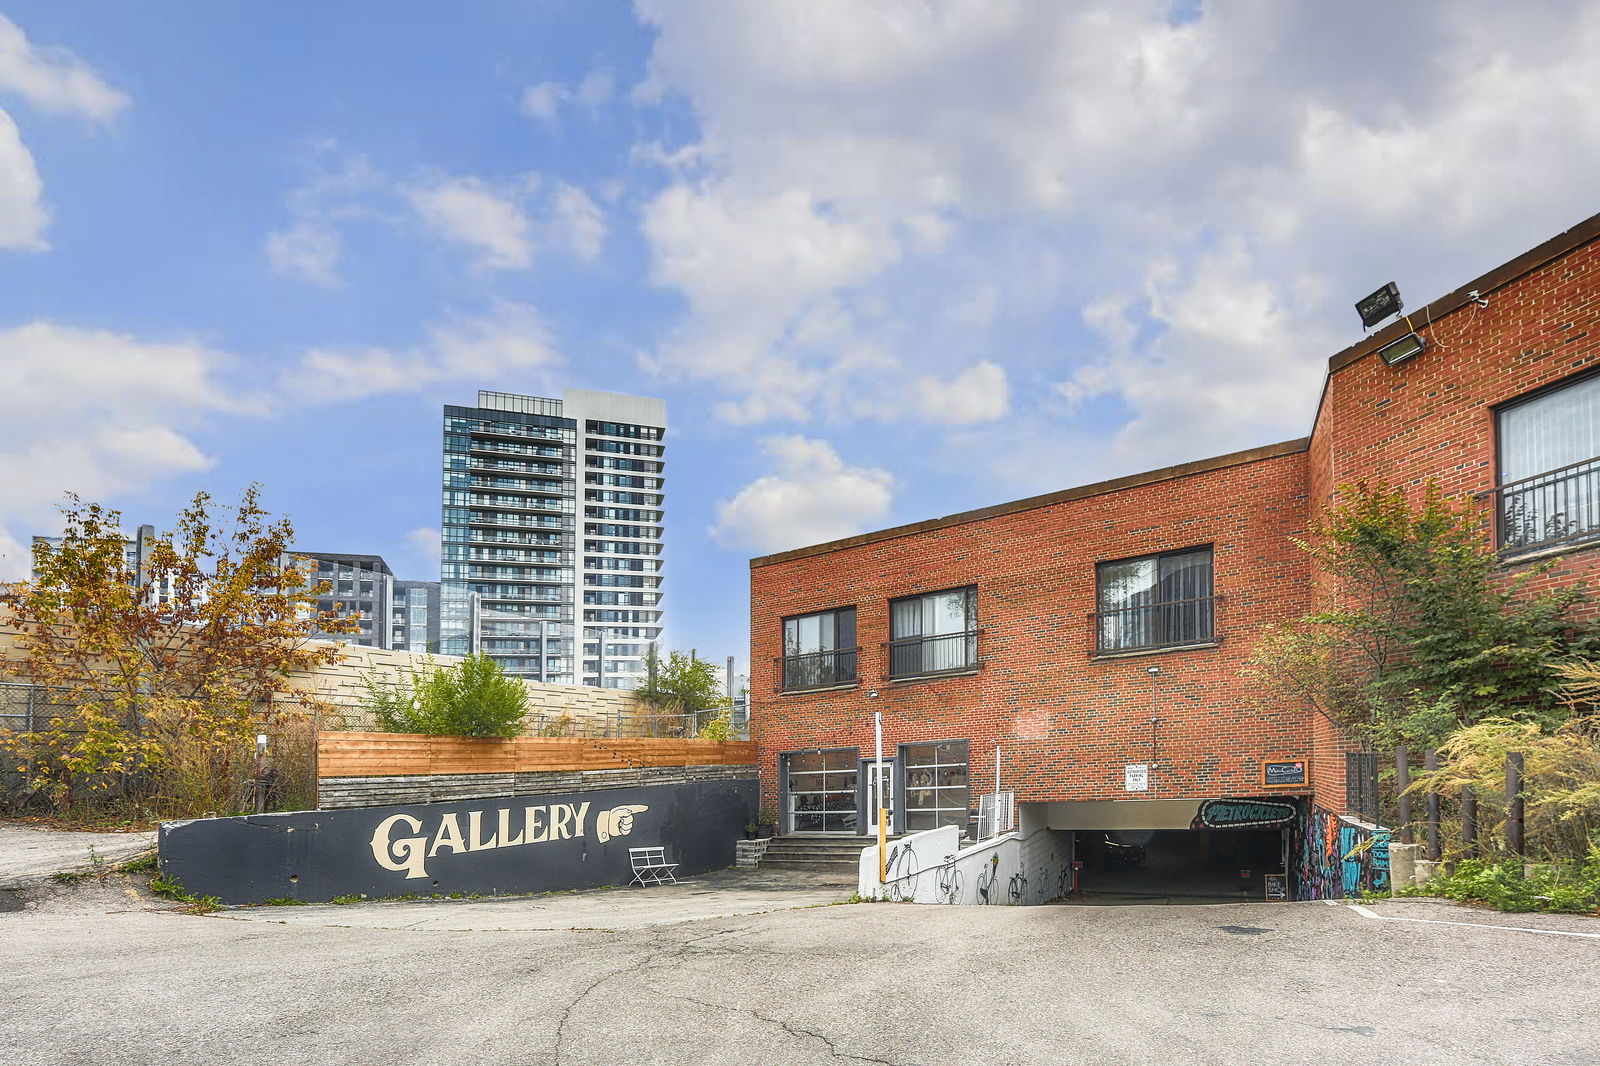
point(509, 845)
point(1244, 814)
point(1136, 777)
point(1277, 888)
point(1284, 773)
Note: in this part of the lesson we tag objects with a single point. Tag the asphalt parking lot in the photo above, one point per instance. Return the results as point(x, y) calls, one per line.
point(101, 973)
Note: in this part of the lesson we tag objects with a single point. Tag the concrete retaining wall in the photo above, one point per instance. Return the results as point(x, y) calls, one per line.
point(1024, 868)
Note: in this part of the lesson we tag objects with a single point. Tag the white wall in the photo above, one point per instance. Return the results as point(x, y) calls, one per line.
point(1030, 866)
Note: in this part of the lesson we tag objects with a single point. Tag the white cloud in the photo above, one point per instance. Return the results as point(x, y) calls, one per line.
point(755, 271)
point(340, 187)
point(50, 79)
point(16, 558)
point(468, 211)
point(979, 393)
point(503, 222)
point(22, 213)
point(100, 414)
point(543, 102)
point(424, 542)
point(811, 496)
point(53, 79)
point(577, 223)
point(306, 250)
point(1149, 158)
point(511, 340)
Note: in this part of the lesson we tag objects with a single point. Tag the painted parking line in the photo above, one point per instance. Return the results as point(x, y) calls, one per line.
point(1368, 913)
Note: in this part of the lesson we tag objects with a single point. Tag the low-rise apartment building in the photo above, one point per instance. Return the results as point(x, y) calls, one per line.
point(1088, 649)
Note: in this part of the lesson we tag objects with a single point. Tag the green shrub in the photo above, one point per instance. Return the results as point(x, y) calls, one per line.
point(474, 698)
point(1568, 887)
point(718, 727)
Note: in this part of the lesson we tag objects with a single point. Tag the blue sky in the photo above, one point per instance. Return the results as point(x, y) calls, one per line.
point(883, 260)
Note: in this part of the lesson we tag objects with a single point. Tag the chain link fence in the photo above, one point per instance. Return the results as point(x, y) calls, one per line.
point(284, 771)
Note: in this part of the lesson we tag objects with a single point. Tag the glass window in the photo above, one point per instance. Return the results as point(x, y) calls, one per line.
point(1550, 466)
point(821, 790)
point(936, 784)
point(933, 634)
point(1155, 601)
point(819, 650)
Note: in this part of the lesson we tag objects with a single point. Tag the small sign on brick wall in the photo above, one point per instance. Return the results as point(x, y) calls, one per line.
point(1136, 777)
point(1283, 773)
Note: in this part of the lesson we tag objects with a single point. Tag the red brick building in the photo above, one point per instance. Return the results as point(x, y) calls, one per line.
point(1099, 636)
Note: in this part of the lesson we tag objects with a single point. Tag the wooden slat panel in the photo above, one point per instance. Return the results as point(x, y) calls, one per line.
point(366, 754)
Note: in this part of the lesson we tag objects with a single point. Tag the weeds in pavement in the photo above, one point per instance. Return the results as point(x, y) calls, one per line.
point(167, 888)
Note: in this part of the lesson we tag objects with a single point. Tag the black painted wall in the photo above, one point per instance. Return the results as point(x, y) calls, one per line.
point(513, 844)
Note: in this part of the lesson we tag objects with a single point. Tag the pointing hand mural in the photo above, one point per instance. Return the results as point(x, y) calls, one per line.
point(618, 821)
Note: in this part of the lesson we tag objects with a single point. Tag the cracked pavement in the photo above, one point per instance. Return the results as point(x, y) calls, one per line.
point(100, 972)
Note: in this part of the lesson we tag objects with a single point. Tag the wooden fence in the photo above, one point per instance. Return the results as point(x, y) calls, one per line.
point(408, 754)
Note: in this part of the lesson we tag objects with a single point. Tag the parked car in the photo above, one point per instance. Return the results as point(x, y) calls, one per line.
point(1113, 854)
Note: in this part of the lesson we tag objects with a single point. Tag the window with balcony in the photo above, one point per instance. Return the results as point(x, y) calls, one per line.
point(934, 634)
point(1549, 476)
point(1157, 601)
point(819, 650)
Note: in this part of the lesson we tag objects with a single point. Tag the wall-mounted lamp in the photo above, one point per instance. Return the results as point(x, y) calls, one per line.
point(1379, 305)
point(1396, 352)
point(1153, 671)
point(872, 693)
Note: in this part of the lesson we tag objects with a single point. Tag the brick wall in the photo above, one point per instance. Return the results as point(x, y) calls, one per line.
point(1067, 722)
point(1433, 416)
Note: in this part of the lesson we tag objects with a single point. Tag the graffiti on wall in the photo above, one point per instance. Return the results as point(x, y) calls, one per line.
point(1339, 858)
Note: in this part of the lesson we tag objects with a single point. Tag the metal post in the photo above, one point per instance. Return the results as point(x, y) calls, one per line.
point(1469, 820)
point(1402, 781)
point(996, 772)
point(1515, 811)
point(261, 769)
point(1430, 763)
point(883, 828)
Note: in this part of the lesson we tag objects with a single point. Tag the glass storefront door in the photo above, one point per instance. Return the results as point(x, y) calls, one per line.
point(821, 791)
point(879, 793)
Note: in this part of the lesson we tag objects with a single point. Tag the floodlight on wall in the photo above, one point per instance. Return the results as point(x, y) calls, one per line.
point(1396, 352)
point(1379, 305)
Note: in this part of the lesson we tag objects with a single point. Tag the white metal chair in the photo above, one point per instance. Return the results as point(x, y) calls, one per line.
point(650, 867)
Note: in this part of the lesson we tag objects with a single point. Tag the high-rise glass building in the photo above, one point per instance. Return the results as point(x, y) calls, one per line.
point(553, 518)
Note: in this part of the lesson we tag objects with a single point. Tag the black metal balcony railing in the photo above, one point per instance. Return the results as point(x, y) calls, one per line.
point(1169, 624)
point(942, 653)
point(1560, 506)
point(817, 669)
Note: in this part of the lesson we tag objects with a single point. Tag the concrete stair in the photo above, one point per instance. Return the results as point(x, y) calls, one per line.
point(832, 855)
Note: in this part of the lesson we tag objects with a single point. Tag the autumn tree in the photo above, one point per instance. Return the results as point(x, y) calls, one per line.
point(157, 680)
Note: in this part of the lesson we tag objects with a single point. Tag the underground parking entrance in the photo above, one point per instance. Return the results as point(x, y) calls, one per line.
point(1177, 865)
point(1179, 851)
